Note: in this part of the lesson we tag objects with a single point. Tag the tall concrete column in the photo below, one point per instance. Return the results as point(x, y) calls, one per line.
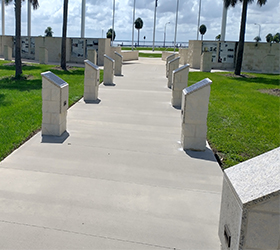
point(83, 18)
point(28, 19)
point(224, 24)
point(3, 17)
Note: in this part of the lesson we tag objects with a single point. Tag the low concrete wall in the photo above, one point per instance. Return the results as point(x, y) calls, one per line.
point(53, 46)
point(255, 54)
point(5, 40)
point(130, 55)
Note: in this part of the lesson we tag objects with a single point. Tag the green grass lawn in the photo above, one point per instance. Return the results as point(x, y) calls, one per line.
point(21, 101)
point(242, 121)
point(151, 55)
point(150, 48)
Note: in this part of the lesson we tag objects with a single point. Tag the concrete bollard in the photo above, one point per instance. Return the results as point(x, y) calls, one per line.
point(55, 93)
point(173, 64)
point(92, 56)
point(91, 81)
point(250, 206)
point(118, 64)
point(179, 82)
point(168, 59)
point(195, 100)
point(7, 53)
point(109, 68)
point(206, 62)
point(43, 56)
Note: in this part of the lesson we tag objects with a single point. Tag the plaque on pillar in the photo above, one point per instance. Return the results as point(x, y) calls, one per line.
point(91, 82)
point(195, 100)
point(250, 206)
point(173, 64)
point(55, 94)
point(118, 64)
point(179, 82)
point(109, 68)
point(168, 59)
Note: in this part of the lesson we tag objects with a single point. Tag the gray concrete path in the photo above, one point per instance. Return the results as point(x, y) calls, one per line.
point(120, 180)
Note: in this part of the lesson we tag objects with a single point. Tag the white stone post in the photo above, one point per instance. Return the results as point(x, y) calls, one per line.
point(173, 64)
point(109, 68)
point(206, 62)
point(250, 206)
point(43, 56)
point(118, 64)
point(55, 92)
point(168, 59)
point(195, 101)
point(179, 82)
point(92, 56)
point(7, 53)
point(91, 81)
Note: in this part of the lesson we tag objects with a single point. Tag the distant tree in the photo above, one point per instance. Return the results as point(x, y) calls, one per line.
point(257, 39)
point(138, 25)
point(17, 4)
point(48, 32)
point(269, 38)
point(111, 34)
point(64, 32)
point(218, 37)
point(240, 49)
point(276, 38)
point(202, 30)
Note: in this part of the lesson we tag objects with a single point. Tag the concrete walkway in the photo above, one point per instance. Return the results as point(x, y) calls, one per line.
point(120, 180)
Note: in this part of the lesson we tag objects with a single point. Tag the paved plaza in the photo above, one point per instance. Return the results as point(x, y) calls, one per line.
point(118, 179)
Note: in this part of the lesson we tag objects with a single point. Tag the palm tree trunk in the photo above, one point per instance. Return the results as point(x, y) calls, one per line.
point(240, 47)
point(138, 36)
point(18, 38)
point(64, 31)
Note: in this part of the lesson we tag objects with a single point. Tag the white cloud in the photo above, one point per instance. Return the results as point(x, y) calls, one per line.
point(99, 17)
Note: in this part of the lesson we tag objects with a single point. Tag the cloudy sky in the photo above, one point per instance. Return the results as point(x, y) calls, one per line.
point(99, 19)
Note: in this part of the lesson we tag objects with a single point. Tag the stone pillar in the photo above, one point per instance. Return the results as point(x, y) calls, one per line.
point(118, 64)
point(195, 101)
point(43, 56)
point(206, 62)
point(268, 64)
point(91, 82)
point(168, 59)
point(173, 64)
point(109, 67)
point(7, 53)
point(250, 206)
point(55, 94)
point(92, 56)
point(179, 82)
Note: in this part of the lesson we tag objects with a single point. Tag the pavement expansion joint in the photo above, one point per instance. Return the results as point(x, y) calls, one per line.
point(89, 235)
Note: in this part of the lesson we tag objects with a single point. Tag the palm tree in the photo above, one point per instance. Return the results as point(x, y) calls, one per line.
point(48, 32)
point(138, 25)
point(218, 37)
point(276, 38)
point(111, 34)
point(64, 32)
point(257, 39)
point(240, 48)
point(202, 30)
point(17, 4)
point(269, 38)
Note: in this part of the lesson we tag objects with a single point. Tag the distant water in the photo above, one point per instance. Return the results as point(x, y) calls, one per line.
point(127, 43)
